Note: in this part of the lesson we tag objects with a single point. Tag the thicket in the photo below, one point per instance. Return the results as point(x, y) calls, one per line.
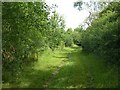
point(73, 36)
point(27, 29)
point(102, 37)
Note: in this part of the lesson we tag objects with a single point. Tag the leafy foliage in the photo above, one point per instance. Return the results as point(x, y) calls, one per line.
point(68, 37)
point(28, 29)
point(102, 36)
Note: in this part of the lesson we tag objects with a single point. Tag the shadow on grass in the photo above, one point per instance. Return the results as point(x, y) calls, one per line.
point(31, 78)
point(71, 75)
point(80, 70)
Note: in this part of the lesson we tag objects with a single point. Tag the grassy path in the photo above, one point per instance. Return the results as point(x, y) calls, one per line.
point(69, 68)
point(85, 71)
point(47, 82)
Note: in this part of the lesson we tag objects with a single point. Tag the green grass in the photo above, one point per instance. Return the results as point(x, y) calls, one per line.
point(35, 75)
point(86, 71)
point(80, 70)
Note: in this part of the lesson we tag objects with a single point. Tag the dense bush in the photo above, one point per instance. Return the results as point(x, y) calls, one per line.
point(77, 36)
point(103, 36)
point(68, 39)
point(27, 28)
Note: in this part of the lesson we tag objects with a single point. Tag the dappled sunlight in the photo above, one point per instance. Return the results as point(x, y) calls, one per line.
point(69, 63)
point(39, 50)
point(37, 78)
point(80, 69)
point(43, 69)
point(71, 68)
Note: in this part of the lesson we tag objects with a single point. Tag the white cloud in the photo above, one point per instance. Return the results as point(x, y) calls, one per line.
point(72, 16)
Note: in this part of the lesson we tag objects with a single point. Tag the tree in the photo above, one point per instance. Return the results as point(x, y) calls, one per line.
point(102, 36)
point(56, 33)
point(68, 37)
point(24, 26)
point(92, 7)
point(77, 36)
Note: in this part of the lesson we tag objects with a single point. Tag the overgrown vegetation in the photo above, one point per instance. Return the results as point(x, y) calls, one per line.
point(30, 29)
point(79, 70)
point(102, 37)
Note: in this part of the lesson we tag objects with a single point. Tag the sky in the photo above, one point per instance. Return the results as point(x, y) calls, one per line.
point(73, 17)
